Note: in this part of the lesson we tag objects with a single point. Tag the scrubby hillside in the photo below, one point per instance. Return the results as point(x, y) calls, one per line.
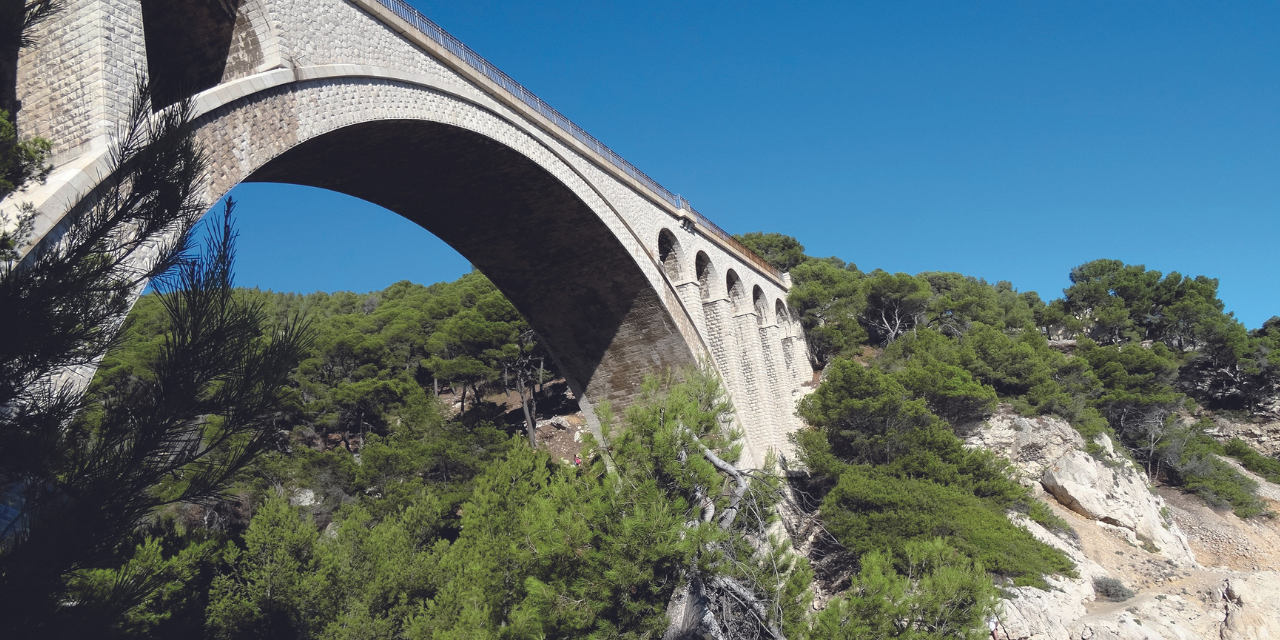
point(1133, 385)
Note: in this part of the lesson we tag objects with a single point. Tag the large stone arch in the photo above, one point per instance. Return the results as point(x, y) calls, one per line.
point(496, 194)
point(363, 97)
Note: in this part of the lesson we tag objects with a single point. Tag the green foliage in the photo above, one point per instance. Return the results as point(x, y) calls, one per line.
point(829, 300)
point(1116, 302)
point(949, 391)
point(871, 509)
point(959, 301)
point(1137, 396)
point(865, 414)
point(933, 593)
point(1268, 468)
point(1136, 381)
point(895, 304)
point(902, 476)
point(87, 471)
point(21, 161)
point(782, 251)
point(1189, 457)
point(140, 597)
point(1223, 365)
point(536, 548)
point(268, 592)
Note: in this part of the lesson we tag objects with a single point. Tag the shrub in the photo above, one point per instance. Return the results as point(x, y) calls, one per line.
point(1268, 468)
point(864, 413)
point(869, 510)
point(1191, 458)
point(948, 390)
point(931, 592)
point(1112, 589)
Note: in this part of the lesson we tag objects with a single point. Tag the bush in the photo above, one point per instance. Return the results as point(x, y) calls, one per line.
point(1191, 458)
point(931, 592)
point(948, 390)
point(869, 510)
point(1268, 468)
point(1112, 589)
point(864, 413)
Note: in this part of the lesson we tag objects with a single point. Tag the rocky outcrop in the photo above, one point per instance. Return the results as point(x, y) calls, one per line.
point(1126, 531)
point(1107, 488)
point(1262, 435)
point(1031, 444)
point(1115, 492)
point(1261, 429)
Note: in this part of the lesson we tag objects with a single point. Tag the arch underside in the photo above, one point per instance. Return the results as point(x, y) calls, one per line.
point(496, 190)
point(545, 249)
point(542, 246)
point(614, 286)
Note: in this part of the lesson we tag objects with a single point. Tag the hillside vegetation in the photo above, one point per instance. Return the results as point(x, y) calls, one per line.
point(1126, 350)
point(396, 500)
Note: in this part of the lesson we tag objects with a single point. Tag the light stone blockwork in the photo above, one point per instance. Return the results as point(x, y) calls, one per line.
point(299, 73)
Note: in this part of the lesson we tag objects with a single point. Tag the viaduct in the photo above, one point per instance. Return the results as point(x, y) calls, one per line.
point(620, 277)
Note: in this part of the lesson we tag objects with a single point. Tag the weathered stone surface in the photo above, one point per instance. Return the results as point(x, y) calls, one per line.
point(1047, 451)
point(1252, 606)
point(1262, 431)
point(1031, 444)
point(1116, 493)
point(1107, 501)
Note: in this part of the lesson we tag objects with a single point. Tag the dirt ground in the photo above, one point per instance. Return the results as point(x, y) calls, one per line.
point(1220, 539)
point(560, 422)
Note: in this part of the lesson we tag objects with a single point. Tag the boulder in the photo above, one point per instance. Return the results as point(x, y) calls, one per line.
point(1031, 444)
point(1115, 492)
point(1049, 452)
point(1250, 602)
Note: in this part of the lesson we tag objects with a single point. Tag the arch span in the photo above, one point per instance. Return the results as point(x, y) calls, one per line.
point(352, 97)
point(541, 245)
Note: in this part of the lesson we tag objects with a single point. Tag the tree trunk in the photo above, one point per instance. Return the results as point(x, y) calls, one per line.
point(529, 422)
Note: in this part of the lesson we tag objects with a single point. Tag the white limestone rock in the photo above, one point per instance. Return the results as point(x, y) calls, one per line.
point(303, 498)
point(1116, 493)
point(1031, 444)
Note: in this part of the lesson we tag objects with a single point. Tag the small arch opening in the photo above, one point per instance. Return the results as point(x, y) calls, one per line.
point(669, 254)
point(762, 307)
point(702, 265)
point(783, 318)
point(737, 296)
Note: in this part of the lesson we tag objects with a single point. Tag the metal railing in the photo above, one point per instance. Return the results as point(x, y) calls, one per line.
point(474, 60)
point(728, 238)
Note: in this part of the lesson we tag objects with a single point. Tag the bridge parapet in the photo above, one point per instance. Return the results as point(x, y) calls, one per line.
point(423, 26)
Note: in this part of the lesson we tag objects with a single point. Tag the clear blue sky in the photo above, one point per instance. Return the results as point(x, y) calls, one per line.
point(1009, 141)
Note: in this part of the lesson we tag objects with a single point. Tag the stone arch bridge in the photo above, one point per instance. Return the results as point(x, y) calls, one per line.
point(620, 277)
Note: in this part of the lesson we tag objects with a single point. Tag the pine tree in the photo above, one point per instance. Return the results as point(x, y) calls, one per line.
point(83, 472)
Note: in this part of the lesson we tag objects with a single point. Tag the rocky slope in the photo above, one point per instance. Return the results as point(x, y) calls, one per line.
point(1261, 429)
point(1195, 572)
